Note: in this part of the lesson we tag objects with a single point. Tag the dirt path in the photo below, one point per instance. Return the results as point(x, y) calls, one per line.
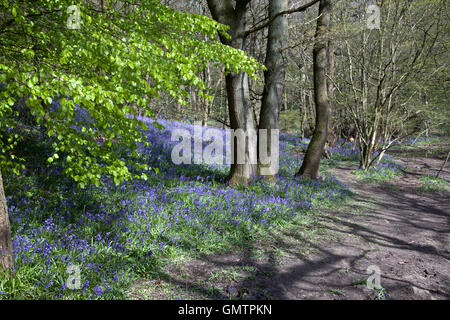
point(404, 233)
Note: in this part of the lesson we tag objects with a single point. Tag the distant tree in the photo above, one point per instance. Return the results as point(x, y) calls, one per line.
point(384, 74)
point(119, 56)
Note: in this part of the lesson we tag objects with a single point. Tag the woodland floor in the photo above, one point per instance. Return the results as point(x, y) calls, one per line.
point(406, 233)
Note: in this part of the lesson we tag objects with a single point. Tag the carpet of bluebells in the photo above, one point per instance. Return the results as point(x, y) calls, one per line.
point(386, 170)
point(115, 234)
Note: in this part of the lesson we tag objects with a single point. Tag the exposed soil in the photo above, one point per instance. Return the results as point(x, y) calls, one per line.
point(392, 226)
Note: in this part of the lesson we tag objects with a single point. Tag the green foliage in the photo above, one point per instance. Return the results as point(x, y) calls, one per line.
point(113, 64)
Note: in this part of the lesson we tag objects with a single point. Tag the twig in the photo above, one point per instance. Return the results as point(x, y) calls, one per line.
point(299, 9)
point(443, 165)
point(221, 121)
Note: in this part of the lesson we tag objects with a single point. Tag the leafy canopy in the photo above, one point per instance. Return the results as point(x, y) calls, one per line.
point(121, 56)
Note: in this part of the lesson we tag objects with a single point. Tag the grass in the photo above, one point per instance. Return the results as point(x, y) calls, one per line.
point(375, 176)
point(360, 282)
point(381, 293)
point(335, 291)
point(430, 184)
point(387, 170)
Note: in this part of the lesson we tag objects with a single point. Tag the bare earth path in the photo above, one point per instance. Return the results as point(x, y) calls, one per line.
point(404, 233)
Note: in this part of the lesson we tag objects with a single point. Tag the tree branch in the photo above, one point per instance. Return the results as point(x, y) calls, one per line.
point(299, 9)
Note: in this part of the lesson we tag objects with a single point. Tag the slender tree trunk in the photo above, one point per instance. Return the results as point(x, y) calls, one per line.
point(274, 78)
point(311, 161)
point(330, 70)
point(443, 165)
point(179, 108)
point(239, 108)
point(303, 107)
point(332, 136)
point(206, 103)
point(6, 257)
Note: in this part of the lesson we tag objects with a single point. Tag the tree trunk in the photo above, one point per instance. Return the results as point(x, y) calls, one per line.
point(311, 161)
point(239, 109)
point(332, 135)
point(205, 101)
point(241, 117)
point(303, 107)
point(274, 78)
point(6, 257)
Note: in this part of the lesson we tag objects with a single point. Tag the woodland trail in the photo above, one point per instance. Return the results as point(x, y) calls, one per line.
point(392, 226)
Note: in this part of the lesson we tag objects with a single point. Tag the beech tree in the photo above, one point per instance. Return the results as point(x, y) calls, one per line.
point(237, 88)
point(6, 255)
point(105, 59)
point(274, 76)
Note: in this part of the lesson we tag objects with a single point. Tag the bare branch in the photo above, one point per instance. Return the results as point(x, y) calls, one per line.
point(299, 9)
